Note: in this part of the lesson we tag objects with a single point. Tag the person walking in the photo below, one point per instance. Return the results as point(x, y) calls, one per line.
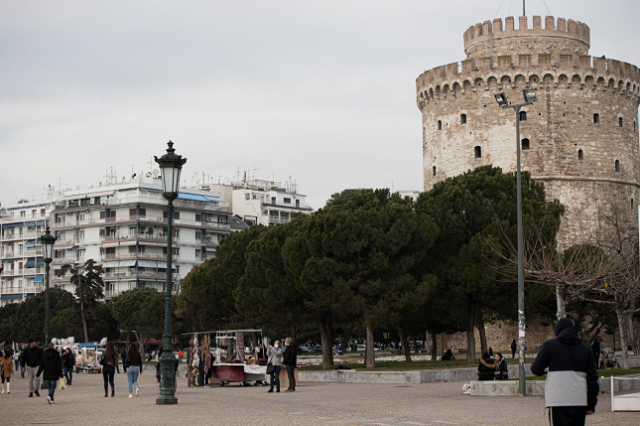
point(274, 354)
point(123, 357)
point(6, 364)
point(571, 388)
point(514, 348)
point(109, 361)
point(31, 360)
point(51, 364)
point(133, 369)
point(19, 364)
point(290, 360)
point(69, 361)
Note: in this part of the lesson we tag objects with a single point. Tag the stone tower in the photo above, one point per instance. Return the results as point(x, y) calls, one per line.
point(580, 138)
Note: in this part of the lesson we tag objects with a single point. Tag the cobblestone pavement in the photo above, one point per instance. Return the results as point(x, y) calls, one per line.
point(438, 404)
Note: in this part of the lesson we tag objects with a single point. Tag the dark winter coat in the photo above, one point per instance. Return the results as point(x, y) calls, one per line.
point(31, 357)
point(572, 380)
point(514, 346)
point(486, 368)
point(501, 367)
point(51, 365)
point(69, 359)
point(290, 355)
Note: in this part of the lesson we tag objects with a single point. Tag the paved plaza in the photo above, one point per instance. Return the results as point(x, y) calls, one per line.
point(435, 404)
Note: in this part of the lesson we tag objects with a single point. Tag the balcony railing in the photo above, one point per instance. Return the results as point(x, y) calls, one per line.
point(209, 242)
point(69, 241)
point(136, 255)
point(12, 272)
point(154, 219)
point(140, 274)
point(33, 252)
point(33, 289)
point(61, 278)
point(9, 254)
point(66, 260)
point(136, 237)
point(34, 271)
point(17, 289)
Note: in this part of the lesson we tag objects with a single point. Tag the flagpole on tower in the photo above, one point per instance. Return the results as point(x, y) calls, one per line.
point(524, 10)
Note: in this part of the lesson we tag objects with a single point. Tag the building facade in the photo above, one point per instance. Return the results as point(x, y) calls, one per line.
point(20, 251)
point(580, 139)
point(124, 228)
point(263, 202)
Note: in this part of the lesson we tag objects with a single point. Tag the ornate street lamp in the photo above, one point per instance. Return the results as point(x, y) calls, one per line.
point(47, 241)
point(530, 96)
point(170, 168)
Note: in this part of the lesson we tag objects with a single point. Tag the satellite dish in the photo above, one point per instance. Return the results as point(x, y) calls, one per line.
point(156, 173)
point(148, 174)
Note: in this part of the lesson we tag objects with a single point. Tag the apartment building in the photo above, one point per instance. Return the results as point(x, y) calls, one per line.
point(20, 251)
point(124, 227)
point(263, 202)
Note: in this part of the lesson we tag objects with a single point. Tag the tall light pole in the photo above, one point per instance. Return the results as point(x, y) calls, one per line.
point(530, 96)
point(47, 241)
point(170, 168)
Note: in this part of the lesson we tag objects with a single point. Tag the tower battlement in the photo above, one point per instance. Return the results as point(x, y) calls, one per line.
point(493, 35)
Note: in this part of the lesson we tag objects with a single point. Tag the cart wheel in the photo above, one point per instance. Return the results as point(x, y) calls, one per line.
point(264, 383)
point(221, 383)
point(241, 384)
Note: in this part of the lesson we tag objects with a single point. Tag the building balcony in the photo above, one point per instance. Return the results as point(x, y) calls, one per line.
point(34, 271)
point(12, 272)
point(59, 260)
point(156, 275)
point(12, 290)
point(209, 242)
point(9, 254)
point(61, 278)
point(149, 219)
point(33, 252)
point(22, 236)
point(136, 255)
point(69, 242)
point(33, 289)
point(137, 238)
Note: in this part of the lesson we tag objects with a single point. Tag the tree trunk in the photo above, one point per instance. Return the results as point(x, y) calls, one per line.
point(369, 355)
point(622, 325)
point(84, 322)
point(415, 345)
point(471, 339)
point(561, 303)
point(140, 344)
point(329, 323)
point(405, 344)
point(483, 335)
point(434, 346)
point(327, 351)
point(346, 336)
point(293, 333)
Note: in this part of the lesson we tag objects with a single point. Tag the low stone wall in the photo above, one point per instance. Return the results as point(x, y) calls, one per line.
point(398, 377)
point(500, 387)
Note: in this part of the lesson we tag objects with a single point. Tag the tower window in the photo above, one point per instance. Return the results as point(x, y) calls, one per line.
point(634, 125)
point(617, 166)
point(580, 155)
point(434, 170)
point(477, 151)
point(632, 204)
point(525, 144)
point(463, 119)
point(523, 116)
point(620, 121)
point(439, 124)
point(596, 118)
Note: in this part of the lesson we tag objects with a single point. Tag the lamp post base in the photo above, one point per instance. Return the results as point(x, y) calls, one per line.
point(166, 400)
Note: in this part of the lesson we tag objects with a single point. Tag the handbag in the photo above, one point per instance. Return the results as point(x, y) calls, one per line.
point(61, 385)
point(270, 368)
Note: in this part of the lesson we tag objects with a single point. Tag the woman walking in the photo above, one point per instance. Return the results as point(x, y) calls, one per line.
point(109, 361)
point(134, 368)
point(7, 370)
point(275, 358)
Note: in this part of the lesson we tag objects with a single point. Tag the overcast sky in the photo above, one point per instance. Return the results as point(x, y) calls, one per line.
point(323, 91)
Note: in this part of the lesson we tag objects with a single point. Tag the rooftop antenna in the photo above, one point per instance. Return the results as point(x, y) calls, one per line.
point(254, 171)
point(150, 163)
point(524, 10)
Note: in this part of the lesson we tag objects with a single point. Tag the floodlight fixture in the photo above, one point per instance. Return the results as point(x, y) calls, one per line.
point(530, 95)
point(501, 98)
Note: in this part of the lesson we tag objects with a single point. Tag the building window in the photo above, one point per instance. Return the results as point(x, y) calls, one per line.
point(635, 126)
point(23, 214)
point(43, 211)
point(580, 155)
point(523, 116)
point(632, 204)
point(463, 119)
point(287, 200)
point(596, 118)
point(617, 166)
point(273, 200)
point(620, 121)
point(434, 170)
point(525, 144)
point(198, 253)
point(477, 151)
point(439, 124)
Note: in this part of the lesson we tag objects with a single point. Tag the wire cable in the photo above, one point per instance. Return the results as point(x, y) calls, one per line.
point(509, 12)
point(496, 15)
point(547, 7)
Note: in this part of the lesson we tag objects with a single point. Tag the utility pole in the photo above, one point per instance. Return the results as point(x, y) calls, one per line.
point(524, 10)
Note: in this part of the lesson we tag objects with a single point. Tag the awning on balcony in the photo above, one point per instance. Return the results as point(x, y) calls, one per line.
point(116, 263)
point(32, 263)
point(31, 245)
point(10, 296)
point(216, 199)
point(13, 259)
point(12, 225)
point(38, 279)
point(26, 296)
point(151, 190)
point(191, 197)
point(29, 276)
point(162, 264)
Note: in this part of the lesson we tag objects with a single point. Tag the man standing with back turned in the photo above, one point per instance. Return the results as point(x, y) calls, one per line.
point(31, 359)
point(571, 389)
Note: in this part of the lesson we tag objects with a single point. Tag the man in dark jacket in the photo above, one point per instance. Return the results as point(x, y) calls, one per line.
point(514, 348)
point(31, 359)
point(486, 368)
point(290, 360)
point(571, 389)
point(52, 366)
point(69, 360)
